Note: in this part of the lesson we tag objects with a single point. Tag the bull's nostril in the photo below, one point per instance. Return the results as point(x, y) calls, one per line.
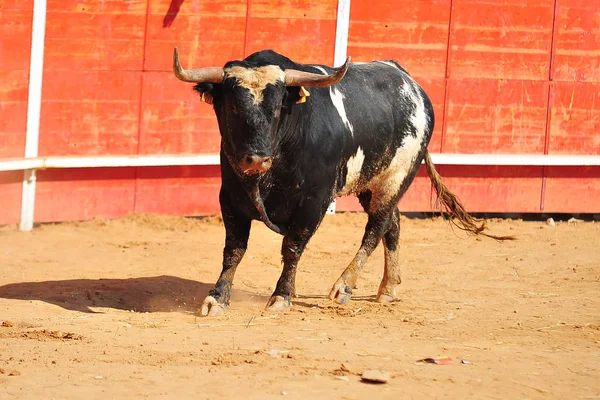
point(252, 164)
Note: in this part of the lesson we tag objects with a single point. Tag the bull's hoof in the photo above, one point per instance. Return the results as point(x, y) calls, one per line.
point(384, 298)
point(212, 308)
point(340, 293)
point(278, 303)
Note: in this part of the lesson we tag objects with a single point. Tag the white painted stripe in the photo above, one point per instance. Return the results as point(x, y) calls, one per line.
point(562, 160)
point(340, 52)
point(36, 72)
point(34, 104)
point(341, 32)
point(108, 161)
point(28, 200)
point(165, 160)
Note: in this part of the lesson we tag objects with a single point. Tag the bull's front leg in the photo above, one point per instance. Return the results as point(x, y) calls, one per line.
point(291, 250)
point(306, 223)
point(237, 231)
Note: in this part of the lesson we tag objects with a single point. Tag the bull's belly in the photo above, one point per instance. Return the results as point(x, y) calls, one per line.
point(387, 182)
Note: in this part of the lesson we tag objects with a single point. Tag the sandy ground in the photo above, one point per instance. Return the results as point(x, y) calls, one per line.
point(109, 309)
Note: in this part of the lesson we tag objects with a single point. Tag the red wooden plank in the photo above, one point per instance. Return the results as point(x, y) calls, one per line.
point(207, 33)
point(418, 196)
point(89, 113)
point(190, 190)
point(174, 120)
point(94, 35)
point(509, 39)
point(572, 190)
point(303, 30)
point(414, 33)
point(15, 47)
point(15, 34)
point(80, 194)
point(13, 112)
point(577, 57)
point(575, 118)
point(347, 203)
point(494, 188)
point(10, 198)
point(496, 116)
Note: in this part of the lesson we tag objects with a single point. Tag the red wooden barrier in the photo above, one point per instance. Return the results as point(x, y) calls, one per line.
point(501, 79)
point(15, 40)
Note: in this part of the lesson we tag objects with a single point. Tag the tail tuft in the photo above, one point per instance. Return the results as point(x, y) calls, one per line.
point(452, 206)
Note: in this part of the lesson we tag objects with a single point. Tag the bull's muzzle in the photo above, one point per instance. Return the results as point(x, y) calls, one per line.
point(254, 164)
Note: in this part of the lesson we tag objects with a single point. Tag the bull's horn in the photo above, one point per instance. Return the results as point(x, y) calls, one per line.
point(300, 78)
point(209, 74)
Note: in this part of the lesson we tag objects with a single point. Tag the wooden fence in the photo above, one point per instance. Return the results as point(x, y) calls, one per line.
point(505, 76)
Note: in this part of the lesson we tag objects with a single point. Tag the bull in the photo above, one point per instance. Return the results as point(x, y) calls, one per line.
point(294, 137)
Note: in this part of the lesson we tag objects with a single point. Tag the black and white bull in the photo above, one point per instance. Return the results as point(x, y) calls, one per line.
point(295, 136)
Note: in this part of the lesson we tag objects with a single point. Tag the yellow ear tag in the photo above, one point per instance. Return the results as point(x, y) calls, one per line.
point(206, 97)
point(303, 95)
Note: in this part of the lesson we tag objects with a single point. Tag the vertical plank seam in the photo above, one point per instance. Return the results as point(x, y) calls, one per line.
point(446, 79)
point(247, 28)
point(435, 205)
point(34, 111)
point(549, 105)
point(342, 32)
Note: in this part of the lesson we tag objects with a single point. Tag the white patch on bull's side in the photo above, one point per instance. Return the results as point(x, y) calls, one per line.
point(256, 79)
point(419, 119)
point(337, 98)
point(354, 166)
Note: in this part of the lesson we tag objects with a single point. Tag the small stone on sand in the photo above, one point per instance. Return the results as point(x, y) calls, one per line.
point(376, 375)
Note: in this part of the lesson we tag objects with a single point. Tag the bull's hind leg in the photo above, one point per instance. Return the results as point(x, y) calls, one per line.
point(391, 274)
point(377, 226)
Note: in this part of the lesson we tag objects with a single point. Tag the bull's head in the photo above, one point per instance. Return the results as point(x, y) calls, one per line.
point(248, 102)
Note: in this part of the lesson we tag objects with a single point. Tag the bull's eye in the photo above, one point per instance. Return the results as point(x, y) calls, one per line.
point(234, 109)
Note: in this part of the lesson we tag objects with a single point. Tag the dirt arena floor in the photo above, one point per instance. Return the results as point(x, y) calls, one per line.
point(109, 309)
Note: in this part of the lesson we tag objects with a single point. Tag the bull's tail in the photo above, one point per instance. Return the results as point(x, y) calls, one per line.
point(452, 206)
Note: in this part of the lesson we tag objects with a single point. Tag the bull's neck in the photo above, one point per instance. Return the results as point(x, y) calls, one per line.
point(251, 185)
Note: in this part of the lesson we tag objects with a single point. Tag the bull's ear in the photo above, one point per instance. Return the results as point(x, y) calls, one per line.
point(206, 92)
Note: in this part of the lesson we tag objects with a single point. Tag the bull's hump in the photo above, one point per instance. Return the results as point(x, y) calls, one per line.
point(256, 79)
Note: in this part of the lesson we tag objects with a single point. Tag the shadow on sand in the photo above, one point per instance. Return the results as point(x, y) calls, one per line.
point(149, 294)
